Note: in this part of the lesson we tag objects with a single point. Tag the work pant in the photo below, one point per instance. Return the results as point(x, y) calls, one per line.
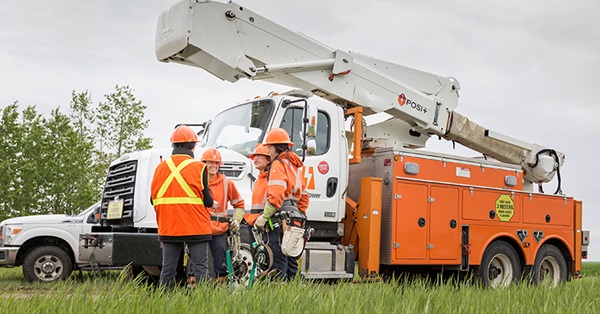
point(171, 251)
point(286, 266)
point(218, 247)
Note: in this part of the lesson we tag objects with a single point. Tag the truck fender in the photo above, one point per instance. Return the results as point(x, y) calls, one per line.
point(47, 232)
point(557, 241)
point(502, 236)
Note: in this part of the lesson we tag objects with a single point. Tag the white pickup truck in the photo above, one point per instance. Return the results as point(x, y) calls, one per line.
point(47, 246)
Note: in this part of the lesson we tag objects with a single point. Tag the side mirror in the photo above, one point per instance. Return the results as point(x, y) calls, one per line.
point(94, 216)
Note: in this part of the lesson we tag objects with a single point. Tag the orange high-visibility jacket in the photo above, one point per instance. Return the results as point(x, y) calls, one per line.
point(259, 198)
point(223, 191)
point(285, 181)
point(177, 197)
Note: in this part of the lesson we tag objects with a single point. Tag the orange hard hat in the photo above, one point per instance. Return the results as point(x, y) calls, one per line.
point(184, 134)
point(259, 150)
point(211, 154)
point(278, 136)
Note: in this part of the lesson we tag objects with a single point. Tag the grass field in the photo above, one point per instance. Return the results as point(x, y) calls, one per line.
point(110, 292)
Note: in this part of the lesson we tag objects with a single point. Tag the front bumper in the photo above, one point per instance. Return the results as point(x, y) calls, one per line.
point(8, 255)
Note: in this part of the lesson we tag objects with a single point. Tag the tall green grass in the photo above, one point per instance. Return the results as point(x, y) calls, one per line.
point(112, 293)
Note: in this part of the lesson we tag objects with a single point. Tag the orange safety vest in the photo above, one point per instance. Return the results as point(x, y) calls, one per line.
point(223, 190)
point(259, 198)
point(176, 192)
point(285, 182)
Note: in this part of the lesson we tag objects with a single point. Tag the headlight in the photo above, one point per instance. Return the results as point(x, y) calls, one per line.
point(8, 232)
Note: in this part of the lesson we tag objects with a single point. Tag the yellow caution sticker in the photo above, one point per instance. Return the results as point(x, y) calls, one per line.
point(115, 209)
point(505, 207)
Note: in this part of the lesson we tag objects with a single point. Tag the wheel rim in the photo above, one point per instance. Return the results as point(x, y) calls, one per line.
point(48, 268)
point(500, 271)
point(549, 271)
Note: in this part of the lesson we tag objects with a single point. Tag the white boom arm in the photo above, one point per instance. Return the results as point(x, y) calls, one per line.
point(232, 42)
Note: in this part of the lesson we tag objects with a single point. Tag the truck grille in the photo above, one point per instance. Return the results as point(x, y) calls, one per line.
point(120, 184)
point(234, 170)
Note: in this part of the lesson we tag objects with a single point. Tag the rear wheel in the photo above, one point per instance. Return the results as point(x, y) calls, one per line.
point(47, 264)
point(550, 266)
point(500, 265)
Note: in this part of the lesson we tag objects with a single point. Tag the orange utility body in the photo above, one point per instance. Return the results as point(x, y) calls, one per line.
point(440, 210)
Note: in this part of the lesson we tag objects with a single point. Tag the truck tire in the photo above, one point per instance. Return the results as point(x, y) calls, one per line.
point(47, 264)
point(550, 266)
point(500, 265)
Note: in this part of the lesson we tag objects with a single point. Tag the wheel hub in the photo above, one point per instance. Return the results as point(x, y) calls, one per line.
point(48, 267)
point(549, 271)
point(500, 271)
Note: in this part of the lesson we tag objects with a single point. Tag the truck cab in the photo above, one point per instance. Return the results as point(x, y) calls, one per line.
point(244, 126)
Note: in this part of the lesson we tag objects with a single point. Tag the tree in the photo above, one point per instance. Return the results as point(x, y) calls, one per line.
point(58, 164)
point(31, 175)
point(10, 143)
point(82, 115)
point(83, 119)
point(74, 186)
point(120, 123)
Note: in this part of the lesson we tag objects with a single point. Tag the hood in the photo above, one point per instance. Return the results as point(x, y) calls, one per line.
point(43, 219)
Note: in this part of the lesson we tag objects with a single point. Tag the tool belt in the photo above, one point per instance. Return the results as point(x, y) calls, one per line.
point(219, 218)
point(288, 212)
point(292, 215)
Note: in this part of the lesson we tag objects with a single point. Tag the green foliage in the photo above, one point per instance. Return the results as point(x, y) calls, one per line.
point(58, 164)
point(121, 122)
point(10, 141)
point(120, 125)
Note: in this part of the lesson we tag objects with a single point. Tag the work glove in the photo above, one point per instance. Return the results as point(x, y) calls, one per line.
point(260, 222)
point(234, 226)
point(268, 212)
point(238, 215)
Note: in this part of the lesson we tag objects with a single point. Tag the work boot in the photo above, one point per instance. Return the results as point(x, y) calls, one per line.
point(191, 282)
point(222, 280)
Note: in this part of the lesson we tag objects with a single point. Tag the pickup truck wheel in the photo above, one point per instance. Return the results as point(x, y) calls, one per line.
point(47, 264)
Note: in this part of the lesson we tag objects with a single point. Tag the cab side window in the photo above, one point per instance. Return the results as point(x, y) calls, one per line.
point(292, 123)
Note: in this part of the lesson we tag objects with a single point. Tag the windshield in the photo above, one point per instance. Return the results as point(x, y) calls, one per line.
point(240, 128)
point(87, 210)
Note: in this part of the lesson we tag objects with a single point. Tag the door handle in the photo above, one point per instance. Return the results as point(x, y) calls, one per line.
point(331, 186)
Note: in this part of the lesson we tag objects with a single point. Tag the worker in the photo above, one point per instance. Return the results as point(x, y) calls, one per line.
point(285, 187)
point(261, 159)
point(223, 191)
point(181, 196)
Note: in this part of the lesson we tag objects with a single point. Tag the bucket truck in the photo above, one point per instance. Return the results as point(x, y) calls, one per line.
point(374, 196)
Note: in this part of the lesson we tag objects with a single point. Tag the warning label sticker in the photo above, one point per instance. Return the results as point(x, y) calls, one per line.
point(505, 207)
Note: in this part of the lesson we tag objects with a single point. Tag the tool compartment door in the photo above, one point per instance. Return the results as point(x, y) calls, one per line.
point(409, 228)
point(444, 231)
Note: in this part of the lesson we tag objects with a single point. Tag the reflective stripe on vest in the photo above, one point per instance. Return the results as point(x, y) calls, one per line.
point(288, 167)
point(176, 174)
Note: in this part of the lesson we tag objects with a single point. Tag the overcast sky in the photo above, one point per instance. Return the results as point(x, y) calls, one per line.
point(528, 69)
